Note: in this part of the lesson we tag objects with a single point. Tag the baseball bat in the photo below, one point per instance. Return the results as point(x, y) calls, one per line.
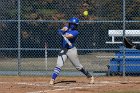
point(69, 43)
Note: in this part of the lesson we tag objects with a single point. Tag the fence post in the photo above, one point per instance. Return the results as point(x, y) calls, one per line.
point(123, 38)
point(46, 60)
point(19, 41)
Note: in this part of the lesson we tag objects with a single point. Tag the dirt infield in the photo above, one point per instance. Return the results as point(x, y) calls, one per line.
point(22, 84)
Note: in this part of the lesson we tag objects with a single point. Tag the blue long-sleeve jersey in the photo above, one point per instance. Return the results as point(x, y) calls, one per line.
point(72, 40)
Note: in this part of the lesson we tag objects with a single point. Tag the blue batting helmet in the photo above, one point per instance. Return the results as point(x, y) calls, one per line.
point(74, 20)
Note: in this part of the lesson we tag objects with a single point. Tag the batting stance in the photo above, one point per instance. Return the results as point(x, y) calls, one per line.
point(69, 50)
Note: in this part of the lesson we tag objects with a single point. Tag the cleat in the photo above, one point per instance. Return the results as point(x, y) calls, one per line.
point(51, 82)
point(91, 80)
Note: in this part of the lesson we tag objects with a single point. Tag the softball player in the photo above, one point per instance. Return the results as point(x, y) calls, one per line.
point(68, 51)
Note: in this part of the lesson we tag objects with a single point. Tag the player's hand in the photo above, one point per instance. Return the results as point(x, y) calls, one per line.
point(64, 28)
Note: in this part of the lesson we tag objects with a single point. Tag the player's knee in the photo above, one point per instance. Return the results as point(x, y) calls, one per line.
point(79, 68)
point(59, 65)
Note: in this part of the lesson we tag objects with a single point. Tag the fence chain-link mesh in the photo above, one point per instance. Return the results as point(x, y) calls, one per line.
point(29, 42)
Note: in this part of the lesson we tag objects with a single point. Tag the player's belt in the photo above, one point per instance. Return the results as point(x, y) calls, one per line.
point(70, 48)
point(67, 48)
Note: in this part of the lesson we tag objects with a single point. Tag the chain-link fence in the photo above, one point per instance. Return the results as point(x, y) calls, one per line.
point(29, 43)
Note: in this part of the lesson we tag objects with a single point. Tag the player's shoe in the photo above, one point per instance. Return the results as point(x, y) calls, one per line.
point(51, 82)
point(91, 80)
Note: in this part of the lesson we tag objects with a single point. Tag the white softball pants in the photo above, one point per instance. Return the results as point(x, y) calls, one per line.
point(72, 55)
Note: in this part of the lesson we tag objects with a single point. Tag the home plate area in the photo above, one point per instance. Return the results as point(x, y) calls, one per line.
point(67, 86)
point(9, 84)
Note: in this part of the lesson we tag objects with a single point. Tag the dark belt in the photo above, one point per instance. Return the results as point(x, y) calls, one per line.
point(69, 48)
point(66, 48)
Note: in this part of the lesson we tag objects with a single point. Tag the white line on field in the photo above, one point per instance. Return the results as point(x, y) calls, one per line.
point(33, 84)
point(4, 82)
point(27, 83)
point(45, 91)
